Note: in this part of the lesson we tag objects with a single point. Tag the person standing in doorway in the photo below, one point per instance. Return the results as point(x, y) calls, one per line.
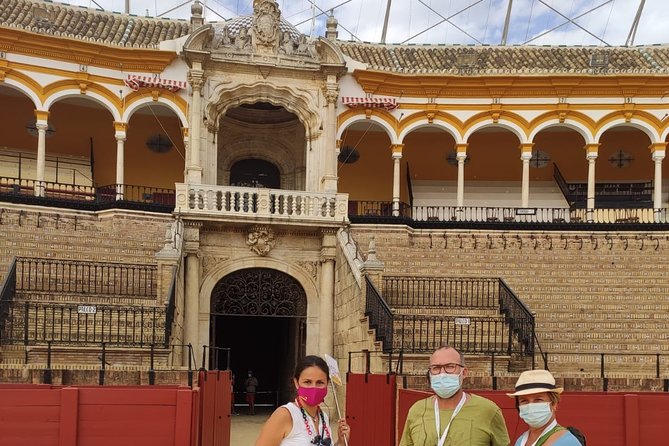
point(452, 416)
point(251, 385)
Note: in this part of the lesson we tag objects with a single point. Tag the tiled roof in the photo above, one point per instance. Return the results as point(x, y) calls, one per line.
point(89, 24)
point(500, 60)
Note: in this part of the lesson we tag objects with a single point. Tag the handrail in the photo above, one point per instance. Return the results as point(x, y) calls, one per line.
point(170, 306)
point(561, 182)
point(518, 316)
point(380, 316)
point(7, 293)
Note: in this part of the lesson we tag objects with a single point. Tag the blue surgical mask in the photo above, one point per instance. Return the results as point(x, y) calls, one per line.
point(536, 414)
point(445, 385)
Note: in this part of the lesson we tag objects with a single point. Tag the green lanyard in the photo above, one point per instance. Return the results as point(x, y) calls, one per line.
point(544, 438)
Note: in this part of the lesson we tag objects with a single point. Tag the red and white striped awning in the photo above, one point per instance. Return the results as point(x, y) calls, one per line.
point(136, 82)
point(359, 102)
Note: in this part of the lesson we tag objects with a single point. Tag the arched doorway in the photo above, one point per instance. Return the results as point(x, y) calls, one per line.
point(260, 315)
point(253, 172)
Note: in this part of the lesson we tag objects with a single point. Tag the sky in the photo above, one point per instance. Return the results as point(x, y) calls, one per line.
point(423, 21)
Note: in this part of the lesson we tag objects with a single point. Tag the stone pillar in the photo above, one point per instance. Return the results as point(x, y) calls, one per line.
point(192, 291)
point(330, 175)
point(209, 175)
point(658, 151)
point(525, 156)
point(397, 156)
point(120, 129)
point(461, 156)
point(591, 152)
point(194, 168)
point(42, 125)
point(327, 279)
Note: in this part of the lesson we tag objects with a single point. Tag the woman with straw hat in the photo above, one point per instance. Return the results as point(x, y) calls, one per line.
point(537, 398)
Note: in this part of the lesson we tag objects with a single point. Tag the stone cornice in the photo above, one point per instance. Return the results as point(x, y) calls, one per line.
point(85, 53)
point(383, 83)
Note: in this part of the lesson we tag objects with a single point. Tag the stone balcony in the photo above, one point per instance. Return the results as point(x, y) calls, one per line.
point(260, 205)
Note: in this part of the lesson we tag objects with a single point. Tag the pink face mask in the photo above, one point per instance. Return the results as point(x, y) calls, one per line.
point(312, 396)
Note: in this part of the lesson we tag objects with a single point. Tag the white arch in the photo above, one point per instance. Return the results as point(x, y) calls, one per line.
point(578, 127)
point(352, 120)
point(448, 128)
point(25, 90)
point(64, 94)
point(664, 135)
point(132, 108)
point(636, 123)
point(222, 269)
point(508, 125)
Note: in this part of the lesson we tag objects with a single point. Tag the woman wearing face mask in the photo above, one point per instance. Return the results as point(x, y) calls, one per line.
point(537, 399)
point(302, 422)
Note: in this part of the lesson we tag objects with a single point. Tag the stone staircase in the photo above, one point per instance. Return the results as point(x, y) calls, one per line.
point(592, 293)
point(83, 259)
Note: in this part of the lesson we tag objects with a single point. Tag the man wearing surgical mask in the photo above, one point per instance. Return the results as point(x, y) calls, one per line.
point(451, 416)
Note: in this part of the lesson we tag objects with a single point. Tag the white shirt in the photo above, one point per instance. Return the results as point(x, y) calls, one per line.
point(298, 435)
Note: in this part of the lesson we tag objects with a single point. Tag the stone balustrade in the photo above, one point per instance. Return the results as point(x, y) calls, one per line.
point(255, 203)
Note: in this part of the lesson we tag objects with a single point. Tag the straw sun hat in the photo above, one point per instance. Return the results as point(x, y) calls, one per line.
point(535, 381)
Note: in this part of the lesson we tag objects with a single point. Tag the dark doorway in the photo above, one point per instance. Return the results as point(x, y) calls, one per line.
point(255, 173)
point(259, 314)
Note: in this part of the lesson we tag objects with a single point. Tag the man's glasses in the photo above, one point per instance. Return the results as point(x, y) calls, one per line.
point(451, 367)
point(320, 441)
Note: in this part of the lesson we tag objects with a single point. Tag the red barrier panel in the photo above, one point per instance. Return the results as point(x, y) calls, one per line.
point(97, 416)
point(216, 404)
point(370, 409)
point(610, 419)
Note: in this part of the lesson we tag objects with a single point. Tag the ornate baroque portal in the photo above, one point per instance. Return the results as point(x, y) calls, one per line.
point(259, 292)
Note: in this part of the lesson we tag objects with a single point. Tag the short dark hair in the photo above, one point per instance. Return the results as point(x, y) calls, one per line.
point(311, 361)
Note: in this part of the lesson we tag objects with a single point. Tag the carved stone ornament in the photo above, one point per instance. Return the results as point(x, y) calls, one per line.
point(266, 18)
point(310, 267)
point(261, 240)
point(209, 262)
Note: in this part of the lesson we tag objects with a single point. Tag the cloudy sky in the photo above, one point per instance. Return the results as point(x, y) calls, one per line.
point(537, 22)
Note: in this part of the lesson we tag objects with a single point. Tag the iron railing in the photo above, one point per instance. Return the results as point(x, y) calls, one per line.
point(377, 209)
point(380, 316)
point(425, 334)
point(519, 318)
point(506, 216)
point(514, 333)
point(136, 194)
point(170, 308)
point(7, 293)
point(80, 277)
point(38, 323)
point(414, 291)
point(93, 198)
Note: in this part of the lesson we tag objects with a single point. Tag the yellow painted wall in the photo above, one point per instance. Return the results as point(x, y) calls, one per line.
point(144, 167)
point(494, 156)
point(371, 177)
